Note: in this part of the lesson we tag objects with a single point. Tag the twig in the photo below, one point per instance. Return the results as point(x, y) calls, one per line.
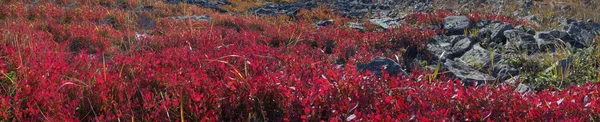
point(42, 112)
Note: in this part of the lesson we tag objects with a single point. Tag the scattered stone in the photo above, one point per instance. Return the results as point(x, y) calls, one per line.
point(290, 8)
point(484, 34)
point(503, 72)
point(204, 3)
point(439, 48)
point(483, 23)
point(527, 4)
point(349, 8)
point(141, 36)
point(578, 36)
point(385, 22)
point(479, 57)
point(465, 73)
point(460, 45)
point(382, 63)
point(519, 41)
point(204, 17)
point(498, 32)
point(528, 30)
point(521, 88)
point(559, 34)
point(355, 25)
point(514, 80)
point(456, 25)
point(547, 42)
point(324, 22)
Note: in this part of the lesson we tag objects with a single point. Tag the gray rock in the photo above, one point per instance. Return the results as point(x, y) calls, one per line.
point(382, 63)
point(522, 88)
point(514, 80)
point(519, 41)
point(385, 22)
point(547, 42)
point(449, 47)
point(290, 8)
point(324, 22)
point(595, 27)
point(503, 72)
point(355, 25)
point(479, 57)
point(484, 33)
point(498, 32)
point(439, 48)
point(528, 30)
point(483, 36)
point(460, 45)
point(466, 73)
point(527, 4)
point(483, 23)
point(564, 7)
point(578, 36)
point(559, 34)
point(204, 17)
point(203, 3)
point(456, 25)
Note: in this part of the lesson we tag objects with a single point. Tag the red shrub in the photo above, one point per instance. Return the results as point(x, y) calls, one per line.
point(240, 68)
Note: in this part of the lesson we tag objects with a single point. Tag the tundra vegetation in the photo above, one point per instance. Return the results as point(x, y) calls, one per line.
point(288, 60)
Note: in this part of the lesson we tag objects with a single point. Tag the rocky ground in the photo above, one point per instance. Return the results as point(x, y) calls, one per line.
point(487, 51)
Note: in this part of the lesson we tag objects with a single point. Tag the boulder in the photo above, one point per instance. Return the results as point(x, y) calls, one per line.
point(382, 63)
point(483, 23)
point(467, 74)
point(547, 42)
point(438, 47)
point(498, 29)
point(324, 22)
point(479, 58)
point(578, 37)
point(460, 45)
point(456, 25)
point(504, 72)
point(559, 34)
point(355, 25)
point(519, 41)
point(385, 22)
point(595, 27)
point(449, 47)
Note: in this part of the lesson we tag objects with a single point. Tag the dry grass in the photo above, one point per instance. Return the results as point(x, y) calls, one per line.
point(546, 11)
point(241, 6)
point(320, 13)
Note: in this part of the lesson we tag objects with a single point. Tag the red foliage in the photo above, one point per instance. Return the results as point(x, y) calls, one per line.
point(436, 18)
point(238, 69)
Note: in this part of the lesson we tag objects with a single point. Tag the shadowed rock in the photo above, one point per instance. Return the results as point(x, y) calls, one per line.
point(457, 69)
point(519, 41)
point(456, 25)
point(382, 63)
